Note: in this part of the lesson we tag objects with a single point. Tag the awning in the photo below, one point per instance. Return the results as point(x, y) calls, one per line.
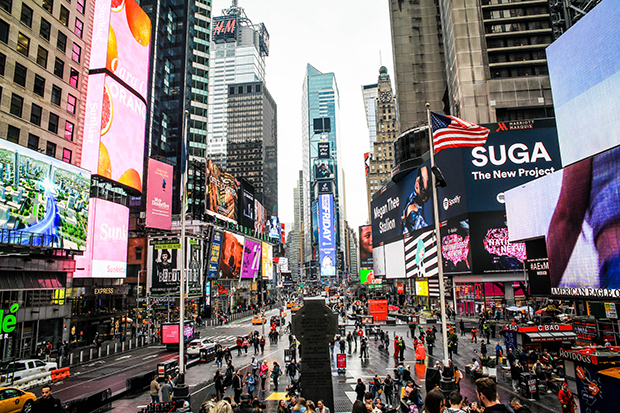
point(552, 336)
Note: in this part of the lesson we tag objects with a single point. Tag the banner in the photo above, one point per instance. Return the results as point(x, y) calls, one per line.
point(267, 262)
point(231, 256)
point(327, 242)
point(159, 195)
point(164, 267)
point(220, 193)
point(365, 246)
point(213, 265)
point(252, 255)
point(421, 255)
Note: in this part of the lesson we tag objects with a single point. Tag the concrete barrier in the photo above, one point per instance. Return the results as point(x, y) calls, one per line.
point(33, 381)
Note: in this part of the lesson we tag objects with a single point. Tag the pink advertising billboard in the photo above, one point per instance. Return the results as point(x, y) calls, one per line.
point(114, 132)
point(159, 195)
point(251, 259)
point(121, 42)
point(106, 248)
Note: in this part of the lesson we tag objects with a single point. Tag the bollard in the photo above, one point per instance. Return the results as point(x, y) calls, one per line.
point(70, 358)
point(81, 356)
point(107, 349)
point(123, 347)
point(115, 347)
point(90, 354)
point(129, 344)
point(99, 353)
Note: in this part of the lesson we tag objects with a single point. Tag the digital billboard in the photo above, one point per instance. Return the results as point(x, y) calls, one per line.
point(325, 187)
point(421, 254)
point(121, 42)
point(246, 207)
point(315, 220)
point(274, 229)
point(263, 40)
point(585, 80)
point(365, 246)
point(115, 121)
point(213, 265)
point(170, 333)
point(159, 195)
point(231, 256)
point(252, 256)
point(490, 246)
point(165, 265)
point(260, 222)
point(323, 149)
point(327, 241)
point(324, 169)
point(578, 218)
point(394, 260)
point(403, 208)
point(224, 29)
point(266, 261)
point(455, 248)
point(220, 193)
point(44, 197)
point(106, 250)
point(421, 287)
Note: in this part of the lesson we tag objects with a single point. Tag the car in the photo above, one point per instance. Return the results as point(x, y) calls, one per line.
point(289, 304)
point(194, 346)
point(13, 400)
point(276, 319)
point(259, 319)
point(22, 369)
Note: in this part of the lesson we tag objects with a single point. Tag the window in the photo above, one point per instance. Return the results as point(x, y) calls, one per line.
point(23, 44)
point(26, 16)
point(35, 114)
point(50, 149)
point(39, 85)
point(59, 68)
point(66, 155)
point(56, 95)
point(52, 126)
point(79, 27)
point(69, 131)
point(13, 134)
point(2, 63)
point(19, 76)
point(77, 52)
point(81, 6)
point(64, 16)
point(45, 30)
point(74, 76)
point(7, 5)
point(42, 57)
point(4, 31)
point(71, 102)
point(48, 5)
point(33, 141)
point(17, 103)
point(61, 43)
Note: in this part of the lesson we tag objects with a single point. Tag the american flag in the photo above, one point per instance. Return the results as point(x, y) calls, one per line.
point(451, 132)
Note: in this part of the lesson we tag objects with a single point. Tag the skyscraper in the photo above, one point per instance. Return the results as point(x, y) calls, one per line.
point(322, 170)
point(239, 51)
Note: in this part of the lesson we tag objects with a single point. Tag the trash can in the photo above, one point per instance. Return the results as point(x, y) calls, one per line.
point(528, 386)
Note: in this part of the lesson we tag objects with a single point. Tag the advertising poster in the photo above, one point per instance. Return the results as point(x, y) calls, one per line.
point(274, 228)
point(421, 287)
point(252, 255)
point(246, 198)
point(490, 246)
point(394, 260)
point(404, 207)
point(224, 29)
point(220, 193)
point(589, 388)
point(165, 266)
point(267, 261)
point(42, 197)
point(260, 223)
point(325, 187)
point(207, 293)
point(323, 148)
point(365, 246)
point(327, 241)
point(324, 169)
point(378, 260)
point(213, 266)
point(159, 195)
point(121, 42)
point(115, 120)
point(231, 255)
point(106, 251)
point(315, 220)
point(421, 254)
point(367, 276)
point(455, 247)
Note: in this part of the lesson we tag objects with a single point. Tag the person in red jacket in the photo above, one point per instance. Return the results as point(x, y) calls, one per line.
point(474, 335)
point(396, 347)
point(566, 399)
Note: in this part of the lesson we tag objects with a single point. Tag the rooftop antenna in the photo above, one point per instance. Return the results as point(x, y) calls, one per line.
point(380, 58)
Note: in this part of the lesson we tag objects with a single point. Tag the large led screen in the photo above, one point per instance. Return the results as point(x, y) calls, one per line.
point(220, 193)
point(327, 236)
point(252, 256)
point(403, 208)
point(159, 195)
point(490, 246)
point(367, 276)
point(114, 132)
point(213, 265)
point(106, 250)
point(274, 229)
point(579, 220)
point(584, 70)
point(365, 246)
point(266, 261)
point(43, 197)
point(121, 42)
point(394, 260)
point(420, 250)
point(165, 265)
point(231, 256)
point(324, 169)
point(455, 248)
point(260, 223)
point(247, 204)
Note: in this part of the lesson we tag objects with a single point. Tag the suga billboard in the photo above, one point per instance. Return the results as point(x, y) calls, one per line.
point(159, 195)
point(327, 241)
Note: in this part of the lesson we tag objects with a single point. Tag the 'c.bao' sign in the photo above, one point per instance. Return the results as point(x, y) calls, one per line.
point(538, 329)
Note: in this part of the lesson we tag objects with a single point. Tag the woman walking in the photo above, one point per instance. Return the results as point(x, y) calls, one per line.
point(263, 374)
point(275, 374)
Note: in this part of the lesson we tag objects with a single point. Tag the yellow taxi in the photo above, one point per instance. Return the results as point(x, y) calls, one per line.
point(13, 400)
point(295, 308)
point(259, 319)
point(289, 304)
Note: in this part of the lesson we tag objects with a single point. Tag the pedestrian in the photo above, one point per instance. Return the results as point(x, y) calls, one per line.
point(207, 406)
point(167, 389)
point(401, 343)
point(474, 335)
point(360, 390)
point(246, 344)
point(262, 345)
point(275, 374)
point(435, 402)
point(47, 403)
point(343, 346)
point(566, 399)
point(498, 353)
point(219, 356)
point(237, 384)
point(388, 390)
point(462, 327)
point(250, 383)
point(256, 342)
point(154, 391)
point(397, 347)
point(430, 340)
point(321, 408)
point(486, 388)
point(483, 349)
point(263, 374)
point(255, 366)
point(239, 345)
point(291, 370)
point(456, 403)
point(227, 355)
point(218, 381)
point(363, 347)
point(517, 406)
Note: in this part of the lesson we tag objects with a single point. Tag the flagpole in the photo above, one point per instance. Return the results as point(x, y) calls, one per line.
point(442, 290)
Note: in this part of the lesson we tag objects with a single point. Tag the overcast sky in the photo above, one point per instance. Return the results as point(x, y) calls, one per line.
point(346, 37)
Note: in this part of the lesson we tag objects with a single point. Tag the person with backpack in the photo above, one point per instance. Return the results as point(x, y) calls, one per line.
point(275, 374)
point(363, 347)
point(498, 353)
point(401, 344)
point(250, 384)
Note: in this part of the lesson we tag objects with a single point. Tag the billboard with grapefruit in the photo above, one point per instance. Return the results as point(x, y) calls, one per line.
point(114, 132)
